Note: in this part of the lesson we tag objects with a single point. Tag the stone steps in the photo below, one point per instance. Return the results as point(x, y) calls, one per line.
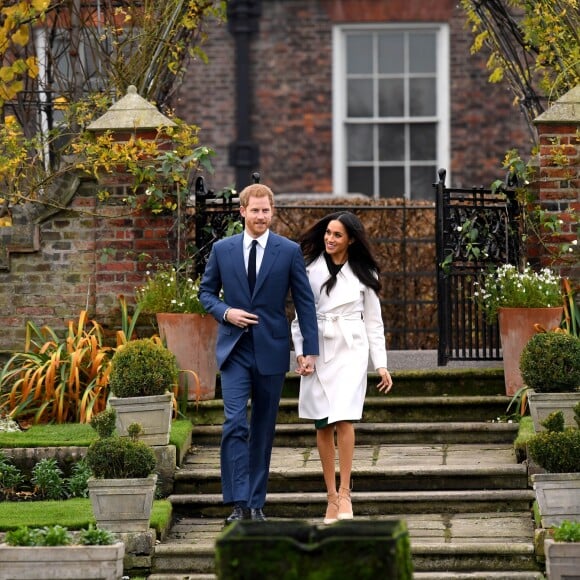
point(490, 542)
point(391, 409)
point(378, 468)
point(432, 453)
point(502, 575)
point(301, 434)
point(311, 505)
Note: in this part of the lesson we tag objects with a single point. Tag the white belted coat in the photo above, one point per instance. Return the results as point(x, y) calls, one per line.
point(350, 326)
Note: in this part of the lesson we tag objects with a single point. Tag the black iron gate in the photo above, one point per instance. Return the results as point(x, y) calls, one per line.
point(476, 229)
point(214, 214)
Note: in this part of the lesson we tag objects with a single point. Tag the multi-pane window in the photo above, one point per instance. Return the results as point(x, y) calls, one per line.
point(391, 116)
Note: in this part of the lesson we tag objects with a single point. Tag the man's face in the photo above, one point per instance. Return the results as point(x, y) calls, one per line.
point(258, 215)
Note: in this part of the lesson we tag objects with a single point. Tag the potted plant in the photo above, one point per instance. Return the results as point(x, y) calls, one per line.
point(520, 300)
point(563, 551)
point(52, 552)
point(550, 367)
point(189, 332)
point(557, 451)
point(142, 378)
point(122, 487)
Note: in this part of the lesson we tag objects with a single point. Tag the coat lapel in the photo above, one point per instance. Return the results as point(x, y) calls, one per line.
point(347, 287)
point(236, 250)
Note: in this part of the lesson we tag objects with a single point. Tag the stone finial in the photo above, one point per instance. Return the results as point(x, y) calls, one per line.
point(565, 110)
point(130, 113)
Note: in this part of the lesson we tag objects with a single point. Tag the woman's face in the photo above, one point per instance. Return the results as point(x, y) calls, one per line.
point(336, 242)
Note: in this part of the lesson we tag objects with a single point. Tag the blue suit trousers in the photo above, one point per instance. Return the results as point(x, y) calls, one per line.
point(246, 446)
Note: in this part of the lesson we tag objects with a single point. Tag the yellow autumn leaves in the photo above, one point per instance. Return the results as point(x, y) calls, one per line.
point(16, 23)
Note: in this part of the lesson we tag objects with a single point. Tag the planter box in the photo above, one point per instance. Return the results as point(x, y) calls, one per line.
point(62, 562)
point(542, 404)
point(294, 549)
point(192, 339)
point(516, 327)
point(122, 505)
point(152, 413)
point(558, 497)
point(562, 560)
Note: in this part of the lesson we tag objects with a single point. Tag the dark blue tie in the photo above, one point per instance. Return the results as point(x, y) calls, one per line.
point(252, 266)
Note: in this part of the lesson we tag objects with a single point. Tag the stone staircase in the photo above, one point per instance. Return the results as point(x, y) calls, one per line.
point(429, 453)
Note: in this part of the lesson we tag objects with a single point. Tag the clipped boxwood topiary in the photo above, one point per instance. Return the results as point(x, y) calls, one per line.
point(114, 457)
point(550, 362)
point(557, 450)
point(141, 368)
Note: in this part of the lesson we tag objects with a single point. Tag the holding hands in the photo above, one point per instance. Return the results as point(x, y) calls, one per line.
point(306, 365)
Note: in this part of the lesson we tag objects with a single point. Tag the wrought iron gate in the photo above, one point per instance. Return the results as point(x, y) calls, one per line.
point(476, 229)
point(214, 213)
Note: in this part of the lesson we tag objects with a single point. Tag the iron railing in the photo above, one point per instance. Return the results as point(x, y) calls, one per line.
point(477, 229)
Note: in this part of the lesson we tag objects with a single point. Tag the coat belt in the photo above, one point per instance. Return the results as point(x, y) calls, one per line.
point(334, 324)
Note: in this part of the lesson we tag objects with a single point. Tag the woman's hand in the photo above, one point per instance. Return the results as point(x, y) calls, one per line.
point(306, 365)
point(386, 381)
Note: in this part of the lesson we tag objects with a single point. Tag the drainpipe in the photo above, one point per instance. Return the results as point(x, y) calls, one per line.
point(244, 154)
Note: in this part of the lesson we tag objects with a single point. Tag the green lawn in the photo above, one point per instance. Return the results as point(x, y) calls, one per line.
point(74, 514)
point(75, 434)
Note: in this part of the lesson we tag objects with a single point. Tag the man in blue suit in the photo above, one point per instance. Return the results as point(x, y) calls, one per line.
point(253, 345)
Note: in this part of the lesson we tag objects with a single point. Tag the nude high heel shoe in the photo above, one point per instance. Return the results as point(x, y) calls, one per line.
point(331, 509)
point(344, 504)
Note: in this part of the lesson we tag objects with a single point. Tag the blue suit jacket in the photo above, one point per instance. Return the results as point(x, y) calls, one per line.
point(282, 269)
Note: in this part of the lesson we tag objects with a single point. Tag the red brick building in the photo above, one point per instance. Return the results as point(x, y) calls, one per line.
point(350, 96)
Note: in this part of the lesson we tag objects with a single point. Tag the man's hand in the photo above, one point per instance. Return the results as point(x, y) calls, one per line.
point(241, 318)
point(306, 365)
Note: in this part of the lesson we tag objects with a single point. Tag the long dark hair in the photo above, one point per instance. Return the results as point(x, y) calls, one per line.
point(360, 257)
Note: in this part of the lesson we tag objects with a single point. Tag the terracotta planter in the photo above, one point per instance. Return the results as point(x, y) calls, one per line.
point(562, 559)
point(516, 327)
point(153, 413)
point(44, 562)
point(122, 505)
point(558, 497)
point(192, 339)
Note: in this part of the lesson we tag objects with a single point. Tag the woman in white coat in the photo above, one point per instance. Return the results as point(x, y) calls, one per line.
point(344, 277)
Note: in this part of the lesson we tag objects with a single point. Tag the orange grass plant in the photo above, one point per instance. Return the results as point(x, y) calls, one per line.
point(58, 380)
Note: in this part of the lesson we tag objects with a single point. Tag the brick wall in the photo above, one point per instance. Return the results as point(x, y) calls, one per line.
point(559, 183)
point(291, 83)
point(83, 262)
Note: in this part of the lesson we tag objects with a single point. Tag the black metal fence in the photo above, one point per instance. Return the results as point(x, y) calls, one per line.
point(402, 236)
point(430, 255)
point(214, 213)
point(476, 230)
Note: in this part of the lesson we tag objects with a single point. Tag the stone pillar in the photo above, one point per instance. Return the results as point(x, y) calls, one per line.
point(559, 173)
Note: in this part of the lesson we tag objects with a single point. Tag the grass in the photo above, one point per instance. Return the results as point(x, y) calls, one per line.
point(75, 514)
point(525, 431)
point(75, 434)
point(65, 435)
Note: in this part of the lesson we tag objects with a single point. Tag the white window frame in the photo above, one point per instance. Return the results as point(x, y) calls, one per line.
point(339, 101)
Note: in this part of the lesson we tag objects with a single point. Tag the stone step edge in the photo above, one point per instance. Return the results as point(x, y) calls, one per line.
point(417, 548)
point(384, 496)
point(387, 401)
point(513, 470)
point(448, 426)
point(507, 575)
point(445, 576)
